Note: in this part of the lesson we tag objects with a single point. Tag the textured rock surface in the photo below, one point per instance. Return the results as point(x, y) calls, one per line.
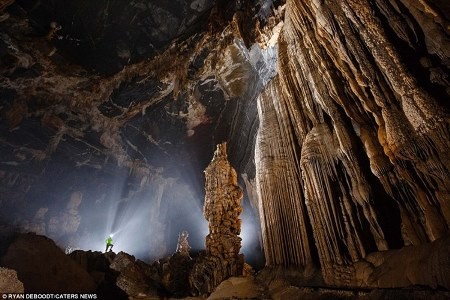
point(175, 273)
point(167, 278)
point(44, 268)
point(122, 276)
point(98, 265)
point(183, 244)
point(134, 276)
point(9, 283)
point(222, 209)
point(423, 265)
point(361, 131)
point(238, 288)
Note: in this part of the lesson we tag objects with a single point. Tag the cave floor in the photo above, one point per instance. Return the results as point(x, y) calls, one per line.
point(240, 288)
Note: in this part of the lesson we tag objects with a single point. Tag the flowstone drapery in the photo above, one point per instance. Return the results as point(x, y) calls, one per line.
point(352, 149)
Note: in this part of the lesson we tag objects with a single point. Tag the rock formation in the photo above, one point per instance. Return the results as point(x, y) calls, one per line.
point(335, 113)
point(99, 267)
point(423, 265)
point(9, 283)
point(122, 276)
point(44, 268)
point(183, 244)
point(343, 90)
point(134, 276)
point(174, 272)
point(222, 209)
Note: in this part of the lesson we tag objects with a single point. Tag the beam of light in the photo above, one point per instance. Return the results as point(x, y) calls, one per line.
point(98, 217)
point(126, 214)
point(186, 213)
point(129, 225)
point(142, 218)
point(135, 221)
point(250, 235)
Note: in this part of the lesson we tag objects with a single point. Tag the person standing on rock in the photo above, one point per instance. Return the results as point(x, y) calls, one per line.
point(109, 243)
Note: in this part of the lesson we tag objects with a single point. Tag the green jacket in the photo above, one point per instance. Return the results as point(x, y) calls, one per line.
point(109, 241)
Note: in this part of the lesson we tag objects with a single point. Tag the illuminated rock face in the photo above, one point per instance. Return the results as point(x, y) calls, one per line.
point(360, 131)
point(222, 209)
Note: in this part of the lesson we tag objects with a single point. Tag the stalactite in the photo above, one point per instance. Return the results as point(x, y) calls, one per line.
point(285, 236)
point(346, 90)
point(436, 35)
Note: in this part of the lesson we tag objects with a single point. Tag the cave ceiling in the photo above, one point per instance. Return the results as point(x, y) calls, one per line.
point(93, 93)
point(91, 81)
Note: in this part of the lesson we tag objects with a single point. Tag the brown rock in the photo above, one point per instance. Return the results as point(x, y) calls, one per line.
point(44, 268)
point(9, 283)
point(134, 276)
point(97, 264)
point(221, 209)
point(424, 265)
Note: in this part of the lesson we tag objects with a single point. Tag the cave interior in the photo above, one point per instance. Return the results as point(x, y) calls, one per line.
point(333, 118)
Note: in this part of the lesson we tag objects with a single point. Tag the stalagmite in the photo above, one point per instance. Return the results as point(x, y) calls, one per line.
point(221, 209)
point(183, 244)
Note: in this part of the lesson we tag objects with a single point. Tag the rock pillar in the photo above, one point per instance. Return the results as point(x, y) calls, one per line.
point(222, 209)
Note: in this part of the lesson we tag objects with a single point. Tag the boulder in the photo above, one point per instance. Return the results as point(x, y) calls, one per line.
point(9, 283)
point(175, 275)
point(44, 268)
point(134, 276)
point(97, 264)
point(238, 288)
point(422, 265)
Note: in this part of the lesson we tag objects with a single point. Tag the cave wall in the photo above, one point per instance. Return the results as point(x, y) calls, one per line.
point(357, 119)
